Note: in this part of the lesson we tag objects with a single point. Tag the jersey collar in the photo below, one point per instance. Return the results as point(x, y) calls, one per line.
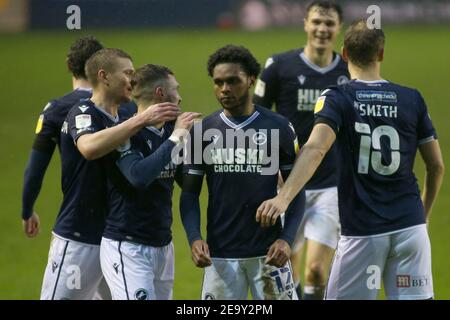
point(237, 126)
point(315, 67)
point(159, 133)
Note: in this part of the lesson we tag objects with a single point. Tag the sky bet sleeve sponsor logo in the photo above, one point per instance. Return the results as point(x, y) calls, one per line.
point(384, 96)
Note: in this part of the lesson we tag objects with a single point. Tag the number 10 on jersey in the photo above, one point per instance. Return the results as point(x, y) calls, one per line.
point(370, 149)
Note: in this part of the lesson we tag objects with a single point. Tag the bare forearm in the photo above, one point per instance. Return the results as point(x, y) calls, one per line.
point(433, 181)
point(96, 145)
point(304, 168)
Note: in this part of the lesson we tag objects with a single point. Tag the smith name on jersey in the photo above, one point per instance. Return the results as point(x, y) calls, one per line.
point(293, 83)
point(378, 126)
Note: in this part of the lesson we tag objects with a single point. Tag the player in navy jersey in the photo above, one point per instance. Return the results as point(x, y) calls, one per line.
point(90, 132)
point(48, 129)
point(241, 150)
point(293, 81)
point(378, 127)
point(137, 255)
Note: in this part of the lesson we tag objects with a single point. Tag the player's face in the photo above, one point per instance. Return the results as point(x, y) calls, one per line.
point(119, 81)
point(231, 85)
point(171, 90)
point(322, 27)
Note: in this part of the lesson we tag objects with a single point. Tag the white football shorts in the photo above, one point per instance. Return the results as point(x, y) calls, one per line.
point(73, 271)
point(231, 279)
point(321, 219)
point(401, 259)
point(137, 272)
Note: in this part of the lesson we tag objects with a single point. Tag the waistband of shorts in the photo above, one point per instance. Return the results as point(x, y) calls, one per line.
point(422, 225)
point(322, 189)
point(54, 234)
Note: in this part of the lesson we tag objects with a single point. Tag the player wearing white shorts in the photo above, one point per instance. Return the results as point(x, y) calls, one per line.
point(378, 127)
point(231, 147)
point(137, 255)
point(90, 132)
point(293, 81)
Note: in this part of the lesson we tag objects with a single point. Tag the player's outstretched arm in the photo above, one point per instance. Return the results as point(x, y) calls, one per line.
point(33, 177)
point(140, 171)
point(432, 156)
point(311, 155)
point(280, 251)
point(96, 145)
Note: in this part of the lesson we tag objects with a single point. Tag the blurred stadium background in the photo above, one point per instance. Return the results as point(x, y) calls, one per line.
point(181, 34)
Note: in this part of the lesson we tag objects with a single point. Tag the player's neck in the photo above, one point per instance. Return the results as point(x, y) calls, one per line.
point(320, 57)
point(79, 83)
point(241, 111)
point(104, 102)
point(371, 73)
point(144, 105)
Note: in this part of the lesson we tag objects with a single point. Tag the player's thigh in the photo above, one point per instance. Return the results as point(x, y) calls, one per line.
point(357, 268)
point(128, 270)
point(408, 274)
point(164, 261)
point(268, 282)
point(224, 280)
point(102, 292)
point(323, 224)
point(73, 271)
point(318, 258)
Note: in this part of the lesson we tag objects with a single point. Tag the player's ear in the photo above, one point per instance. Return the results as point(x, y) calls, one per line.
point(159, 93)
point(344, 54)
point(381, 55)
point(102, 77)
point(251, 81)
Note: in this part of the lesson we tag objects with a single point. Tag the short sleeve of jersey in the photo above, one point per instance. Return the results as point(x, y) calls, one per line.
point(288, 148)
point(327, 106)
point(193, 157)
point(425, 129)
point(47, 125)
point(82, 120)
point(267, 85)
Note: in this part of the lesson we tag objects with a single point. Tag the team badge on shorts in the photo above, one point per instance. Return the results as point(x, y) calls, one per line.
point(209, 296)
point(141, 294)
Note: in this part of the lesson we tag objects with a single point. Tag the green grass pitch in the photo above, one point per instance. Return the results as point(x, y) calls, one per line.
point(33, 70)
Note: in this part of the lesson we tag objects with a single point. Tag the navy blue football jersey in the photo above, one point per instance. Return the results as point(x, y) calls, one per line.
point(141, 215)
point(293, 83)
point(84, 207)
point(52, 117)
point(241, 158)
point(379, 126)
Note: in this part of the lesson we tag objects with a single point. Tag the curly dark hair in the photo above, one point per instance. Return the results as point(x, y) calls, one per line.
point(80, 51)
point(234, 54)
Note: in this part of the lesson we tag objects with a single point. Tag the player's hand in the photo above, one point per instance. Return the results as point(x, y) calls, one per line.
point(31, 226)
point(160, 112)
point(268, 212)
point(279, 253)
point(200, 254)
point(184, 123)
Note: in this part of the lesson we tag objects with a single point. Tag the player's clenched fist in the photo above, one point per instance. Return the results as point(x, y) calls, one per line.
point(279, 253)
point(200, 254)
point(268, 212)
